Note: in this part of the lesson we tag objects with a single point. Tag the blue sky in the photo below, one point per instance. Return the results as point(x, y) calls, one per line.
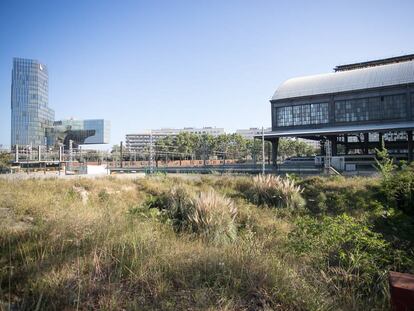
point(151, 64)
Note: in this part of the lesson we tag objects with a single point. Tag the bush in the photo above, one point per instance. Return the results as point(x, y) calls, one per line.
point(349, 251)
point(272, 191)
point(5, 162)
point(337, 195)
point(398, 189)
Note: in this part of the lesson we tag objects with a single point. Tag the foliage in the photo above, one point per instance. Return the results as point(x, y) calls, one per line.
point(116, 149)
point(292, 147)
point(341, 242)
point(5, 161)
point(397, 182)
point(398, 188)
point(385, 164)
point(336, 195)
point(232, 146)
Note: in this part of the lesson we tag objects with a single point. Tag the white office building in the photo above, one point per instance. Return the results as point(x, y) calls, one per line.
point(138, 141)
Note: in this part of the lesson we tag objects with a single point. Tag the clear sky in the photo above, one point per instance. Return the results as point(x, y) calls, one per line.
point(151, 64)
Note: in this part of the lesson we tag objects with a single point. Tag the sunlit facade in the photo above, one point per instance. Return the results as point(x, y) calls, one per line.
point(80, 132)
point(356, 107)
point(30, 113)
point(32, 121)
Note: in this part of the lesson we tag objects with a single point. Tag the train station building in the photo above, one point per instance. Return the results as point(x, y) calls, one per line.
point(355, 108)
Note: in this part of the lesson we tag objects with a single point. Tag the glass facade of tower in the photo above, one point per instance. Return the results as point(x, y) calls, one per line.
point(30, 113)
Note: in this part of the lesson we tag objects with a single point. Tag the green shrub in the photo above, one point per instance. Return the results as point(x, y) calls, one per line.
point(349, 251)
point(398, 189)
point(337, 195)
point(272, 191)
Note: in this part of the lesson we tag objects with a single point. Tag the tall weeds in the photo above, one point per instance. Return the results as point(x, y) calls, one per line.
point(213, 217)
point(272, 191)
point(208, 214)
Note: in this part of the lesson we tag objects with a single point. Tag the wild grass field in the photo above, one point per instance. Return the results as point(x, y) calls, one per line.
point(204, 243)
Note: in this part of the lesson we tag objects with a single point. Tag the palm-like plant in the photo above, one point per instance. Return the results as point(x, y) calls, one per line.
point(274, 191)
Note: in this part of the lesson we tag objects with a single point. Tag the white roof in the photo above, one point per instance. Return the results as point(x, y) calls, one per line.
point(350, 80)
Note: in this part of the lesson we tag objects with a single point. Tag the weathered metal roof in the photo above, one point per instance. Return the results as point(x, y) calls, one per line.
point(350, 80)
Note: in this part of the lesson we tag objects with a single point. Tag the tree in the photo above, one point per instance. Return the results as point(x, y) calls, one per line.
point(254, 147)
point(5, 161)
point(385, 163)
point(116, 149)
point(185, 144)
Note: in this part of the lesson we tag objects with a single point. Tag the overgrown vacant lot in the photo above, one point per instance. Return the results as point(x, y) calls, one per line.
point(203, 243)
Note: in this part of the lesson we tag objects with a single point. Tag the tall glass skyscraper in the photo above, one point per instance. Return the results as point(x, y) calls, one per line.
point(30, 113)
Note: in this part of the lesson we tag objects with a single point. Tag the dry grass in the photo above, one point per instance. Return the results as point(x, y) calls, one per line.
point(272, 191)
point(112, 252)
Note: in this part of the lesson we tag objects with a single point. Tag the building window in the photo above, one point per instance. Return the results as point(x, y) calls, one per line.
point(372, 108)
point(319, 113)
point(302, 115)
point(284, 116)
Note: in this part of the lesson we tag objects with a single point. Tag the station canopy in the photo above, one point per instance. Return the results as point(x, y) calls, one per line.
point(337, 130)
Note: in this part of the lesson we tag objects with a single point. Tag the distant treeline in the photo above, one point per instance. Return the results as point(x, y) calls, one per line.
point(225, 146)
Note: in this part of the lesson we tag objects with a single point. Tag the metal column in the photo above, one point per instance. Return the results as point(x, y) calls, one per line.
point(366, 141)
point(275, 145)
point(346, 143)
point(334, 148)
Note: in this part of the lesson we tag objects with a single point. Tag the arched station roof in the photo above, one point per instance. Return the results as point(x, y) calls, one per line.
point(349, 80)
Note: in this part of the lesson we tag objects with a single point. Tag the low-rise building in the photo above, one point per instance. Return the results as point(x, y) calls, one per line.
point(138, 141)
point(250, 133)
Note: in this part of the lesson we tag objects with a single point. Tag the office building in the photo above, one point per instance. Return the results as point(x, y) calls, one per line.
point(30, 112)
point(81, 132)
point(32, 120)
point(250, 133)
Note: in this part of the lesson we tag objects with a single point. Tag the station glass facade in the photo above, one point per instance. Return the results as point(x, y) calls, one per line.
point(375, 108)
point(302, 114)
point(392, 107)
